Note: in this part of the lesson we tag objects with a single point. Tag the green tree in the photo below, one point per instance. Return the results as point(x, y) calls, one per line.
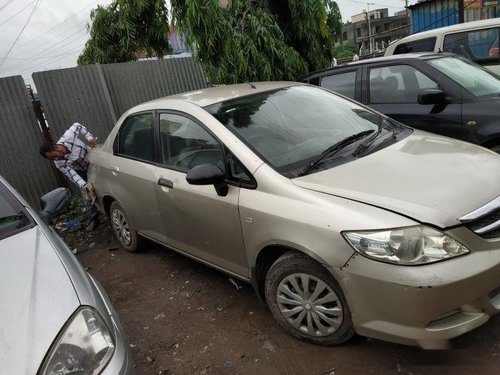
point(345, 51)
point(253, 40)
point(334, 21)
point(125, 30)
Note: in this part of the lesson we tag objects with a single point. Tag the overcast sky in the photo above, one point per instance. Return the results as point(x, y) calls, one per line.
point(37, 35)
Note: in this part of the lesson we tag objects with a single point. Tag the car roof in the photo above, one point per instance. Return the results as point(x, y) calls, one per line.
point(374, 60)
point(449, 29)
point(212, 95)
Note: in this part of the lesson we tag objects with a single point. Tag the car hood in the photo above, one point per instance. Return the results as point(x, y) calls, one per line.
point(426, 177)
point(37, 298)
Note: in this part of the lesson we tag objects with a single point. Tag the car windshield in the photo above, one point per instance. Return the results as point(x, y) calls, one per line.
point(290, 127)
point(474, 78)
point(13, 217)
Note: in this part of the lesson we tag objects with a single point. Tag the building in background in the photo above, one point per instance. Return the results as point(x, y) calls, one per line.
point(372, 31)
point(433, 14)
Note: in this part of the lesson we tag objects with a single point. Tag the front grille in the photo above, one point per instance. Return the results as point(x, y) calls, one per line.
point(485, 221)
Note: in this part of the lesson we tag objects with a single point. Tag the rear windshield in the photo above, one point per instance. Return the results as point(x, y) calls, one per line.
point(13, 216)
point(422, 45)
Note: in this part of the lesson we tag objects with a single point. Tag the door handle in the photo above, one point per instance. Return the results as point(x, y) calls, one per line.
point(115, 170)
point(165, 182)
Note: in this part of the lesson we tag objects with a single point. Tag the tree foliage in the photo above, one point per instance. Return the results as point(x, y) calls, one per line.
point(253, 40)
point(126, 29)
point(345, 51)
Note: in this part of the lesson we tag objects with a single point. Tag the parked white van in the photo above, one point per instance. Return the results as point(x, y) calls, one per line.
point(476, 40)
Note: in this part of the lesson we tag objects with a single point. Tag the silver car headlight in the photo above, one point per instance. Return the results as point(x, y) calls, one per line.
point(84, 346)
point(406, 246)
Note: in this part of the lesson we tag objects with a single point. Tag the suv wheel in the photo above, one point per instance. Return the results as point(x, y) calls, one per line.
point(307, 301)
point(125, 234)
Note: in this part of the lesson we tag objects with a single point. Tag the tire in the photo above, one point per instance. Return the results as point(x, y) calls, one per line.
point(325, 323)
point(125, 234)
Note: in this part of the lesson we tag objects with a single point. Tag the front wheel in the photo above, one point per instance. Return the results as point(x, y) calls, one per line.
point(307, 301)
point(125, 234)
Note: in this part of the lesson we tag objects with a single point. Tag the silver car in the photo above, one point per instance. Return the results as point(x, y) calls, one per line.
point(56, 319)
point(342, 219)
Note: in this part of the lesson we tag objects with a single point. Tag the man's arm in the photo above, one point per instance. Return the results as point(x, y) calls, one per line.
point(71, 174)
point(80, 130)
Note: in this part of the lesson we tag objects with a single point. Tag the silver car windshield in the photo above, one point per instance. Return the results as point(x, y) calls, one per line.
point(474, 78)
point(289, 127)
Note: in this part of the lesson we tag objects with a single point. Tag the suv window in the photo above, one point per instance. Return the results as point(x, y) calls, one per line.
point(472, 44)
point(184, 144)
point(135, 138)
point(422, 45)
point(343, 83)
point(397, 84)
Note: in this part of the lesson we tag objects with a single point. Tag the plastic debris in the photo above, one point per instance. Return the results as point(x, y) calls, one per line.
point(269, 346)
point(71, 223)
point(228, 364)
point(237, 285)
point(159, 316)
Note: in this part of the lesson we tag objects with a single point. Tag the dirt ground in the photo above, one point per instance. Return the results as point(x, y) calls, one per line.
point(182, 317)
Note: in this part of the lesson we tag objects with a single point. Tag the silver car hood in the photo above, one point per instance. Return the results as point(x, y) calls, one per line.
point(37, 298)
point(429, 178)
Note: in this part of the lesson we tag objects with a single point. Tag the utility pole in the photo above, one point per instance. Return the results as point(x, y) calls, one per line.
point(369, 26)
point(408, 17)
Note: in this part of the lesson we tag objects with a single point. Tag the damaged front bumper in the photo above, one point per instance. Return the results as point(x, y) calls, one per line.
point(424, 305)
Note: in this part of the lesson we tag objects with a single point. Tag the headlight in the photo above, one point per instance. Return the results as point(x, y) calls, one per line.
point(84, 346)
point(406, 246)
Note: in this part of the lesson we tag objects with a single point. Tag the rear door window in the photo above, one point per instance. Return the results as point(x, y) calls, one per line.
point(342, 83)
point(135, 138)
point(422, 45)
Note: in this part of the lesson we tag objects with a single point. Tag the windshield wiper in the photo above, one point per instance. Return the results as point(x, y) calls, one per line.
point(365, 145)
point(314, 163)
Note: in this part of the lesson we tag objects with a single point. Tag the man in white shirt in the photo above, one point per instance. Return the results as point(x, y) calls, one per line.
point(69, 154)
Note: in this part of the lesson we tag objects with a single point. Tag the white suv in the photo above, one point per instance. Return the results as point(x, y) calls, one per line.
point(477, 40)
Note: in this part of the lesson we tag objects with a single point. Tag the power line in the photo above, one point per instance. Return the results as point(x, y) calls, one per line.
point(7, 3)
point(46, 48)
point(30, 60)
point(60, 23)
point(11, 17)
point(35, 8)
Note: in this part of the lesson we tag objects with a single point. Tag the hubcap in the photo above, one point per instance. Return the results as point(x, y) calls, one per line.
point(121, 228)
point(309, 304)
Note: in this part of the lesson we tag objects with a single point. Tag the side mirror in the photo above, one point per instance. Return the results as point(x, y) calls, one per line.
point(432, 96)
point(208, 174)
point(53, 202)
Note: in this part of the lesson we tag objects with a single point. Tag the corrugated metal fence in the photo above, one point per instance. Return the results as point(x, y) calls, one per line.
point(97, 95)
point(94, 95)
point(20, 163)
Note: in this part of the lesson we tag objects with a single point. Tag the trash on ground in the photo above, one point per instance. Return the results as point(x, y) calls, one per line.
point(236, 284)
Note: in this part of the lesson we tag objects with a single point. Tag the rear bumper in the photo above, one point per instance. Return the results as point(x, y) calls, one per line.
point(422, 305)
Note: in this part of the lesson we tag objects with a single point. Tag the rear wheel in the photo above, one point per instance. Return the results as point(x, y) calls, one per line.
point(125, 234)
point(307, 301)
